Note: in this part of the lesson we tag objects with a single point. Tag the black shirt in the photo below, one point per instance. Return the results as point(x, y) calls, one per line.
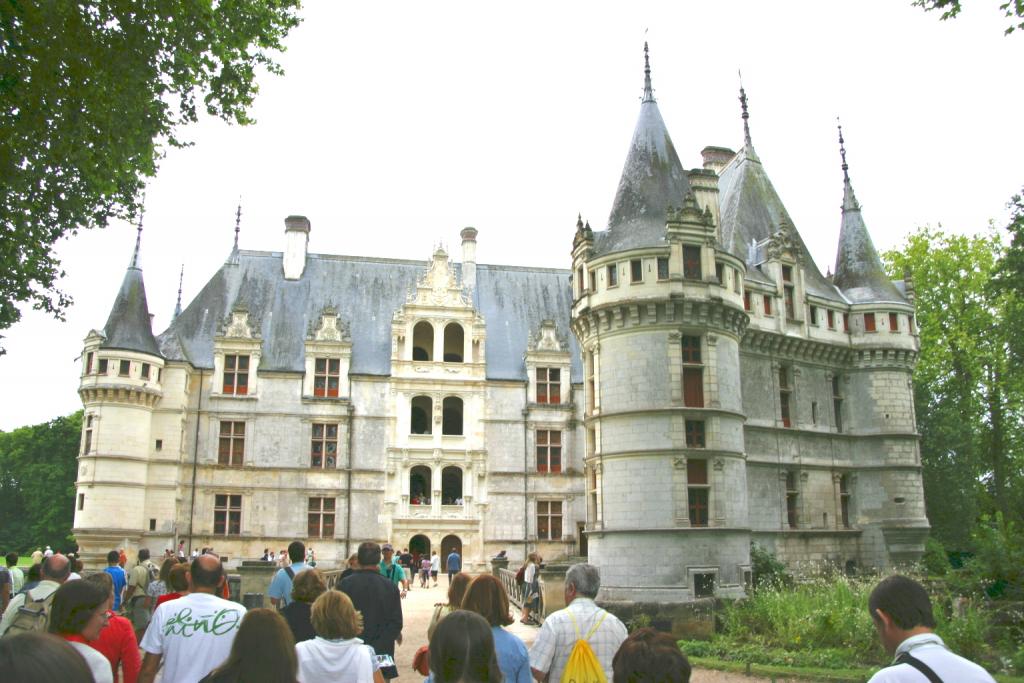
point(297, 615)
point(380, 603)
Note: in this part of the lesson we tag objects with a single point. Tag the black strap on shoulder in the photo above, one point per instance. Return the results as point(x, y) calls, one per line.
point(290, 572)
point(926, 671)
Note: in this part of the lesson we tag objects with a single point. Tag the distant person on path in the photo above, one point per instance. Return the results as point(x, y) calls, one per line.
point(582, 618)
point(138, 605)
point(307, 587)
point(405, 559)
point(462, 649)
point(117, 641)
point(281, 586)
point(37, 556)
point(531, 590)
point(181, 550)
point(453, 564)
point(263, 650)
point(193, 634)
point(53, 572)
point(486, 596)
point(424, 572)
point(352, 565)
point(48, 552)
point(122, 558)
point(650, 656)
point(119, 576)
point(177, 584)
point(435, 566)
point(17, 576)
point(78, 615)
point(379, 601)
point(902, 613)
point(390, 568)
point(159, 586)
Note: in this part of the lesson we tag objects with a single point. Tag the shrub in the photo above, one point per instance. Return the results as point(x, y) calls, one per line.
point(766, 569)
point(935, 561)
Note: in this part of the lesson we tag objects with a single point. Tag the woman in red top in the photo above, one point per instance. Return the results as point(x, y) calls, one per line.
point(177, 584)
point(117, 641)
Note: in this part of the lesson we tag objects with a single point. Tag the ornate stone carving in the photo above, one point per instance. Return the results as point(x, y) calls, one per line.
point(239, 324)
point(547, 338)
point(785, 240)
point(328, 327)
point(438, 286)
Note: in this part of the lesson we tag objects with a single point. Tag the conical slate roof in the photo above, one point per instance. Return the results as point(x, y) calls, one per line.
point(652, 180)
point(128, 325)
point(859, 271)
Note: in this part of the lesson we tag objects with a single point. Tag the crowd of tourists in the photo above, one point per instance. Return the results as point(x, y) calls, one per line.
point(175, 619)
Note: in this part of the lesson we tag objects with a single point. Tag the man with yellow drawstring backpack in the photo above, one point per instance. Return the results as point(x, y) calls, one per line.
point(578, 643)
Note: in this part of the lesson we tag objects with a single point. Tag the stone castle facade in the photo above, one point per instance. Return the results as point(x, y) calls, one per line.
point(691, 385)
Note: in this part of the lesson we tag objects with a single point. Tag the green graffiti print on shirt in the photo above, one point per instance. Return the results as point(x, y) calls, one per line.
point(185, 624)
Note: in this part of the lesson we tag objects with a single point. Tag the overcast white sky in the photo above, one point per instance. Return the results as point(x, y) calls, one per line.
point(397, 124)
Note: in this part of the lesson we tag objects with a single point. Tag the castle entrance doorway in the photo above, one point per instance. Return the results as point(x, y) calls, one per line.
point(448, 544)
point(419, 546)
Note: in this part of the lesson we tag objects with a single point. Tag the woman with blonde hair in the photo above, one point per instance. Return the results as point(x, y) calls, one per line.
point(336, 655)
point(263, 652)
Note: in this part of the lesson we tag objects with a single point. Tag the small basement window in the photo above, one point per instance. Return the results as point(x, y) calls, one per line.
point(704, 585)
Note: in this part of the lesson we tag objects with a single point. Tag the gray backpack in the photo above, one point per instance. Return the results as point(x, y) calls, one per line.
point(34, 615)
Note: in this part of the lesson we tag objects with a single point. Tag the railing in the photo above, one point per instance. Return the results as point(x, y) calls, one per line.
point(331, 577)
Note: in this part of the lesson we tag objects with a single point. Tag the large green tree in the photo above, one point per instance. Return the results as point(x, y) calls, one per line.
point(38, 466)
point(967, 389)
point(91, 92)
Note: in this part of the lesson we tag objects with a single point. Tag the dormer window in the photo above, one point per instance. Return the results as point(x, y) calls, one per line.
point(326, 377)
point(787, 273)
point(549, 385)
point(236, 374)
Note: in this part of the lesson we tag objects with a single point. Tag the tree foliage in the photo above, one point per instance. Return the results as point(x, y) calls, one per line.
point(1014, 10)
point(38, 466)
point(967, 389)
point(91, 92)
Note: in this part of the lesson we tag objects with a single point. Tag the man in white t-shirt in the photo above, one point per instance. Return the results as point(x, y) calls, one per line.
point(902, 612)
point(193, 634)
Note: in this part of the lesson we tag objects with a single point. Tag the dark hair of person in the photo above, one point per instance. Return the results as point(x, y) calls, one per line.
point(487, 597)
point(74, 604)
point(35, 573)
point(650, 656)
point(206, 578)
point(462, 650)
point(12, 559)
point(143, 554)
point(103, 579)
point(308, 585)
point(263, 651)
point(113, 557)
point(369, 553)
point(296, 551)
point(904, 600)
point(56, 567)
point(457, 589)
point(165, 569)
point(36, 657)
point(334, 616)
point(177, 578)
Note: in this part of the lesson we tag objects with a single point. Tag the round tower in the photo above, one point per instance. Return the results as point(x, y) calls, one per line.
point(658, 311)
point(120, 386)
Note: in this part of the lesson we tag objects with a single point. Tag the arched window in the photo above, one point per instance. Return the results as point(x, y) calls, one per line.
point(419, 485)
point(451, 485)
point(423, 341)
point(419, 415)
point(454, 343)
point(451, 416)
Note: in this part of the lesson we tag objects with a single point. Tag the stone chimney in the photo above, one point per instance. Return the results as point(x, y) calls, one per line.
point(468, 236)
point(296, 239)
point(704, 184)
point(717, 158)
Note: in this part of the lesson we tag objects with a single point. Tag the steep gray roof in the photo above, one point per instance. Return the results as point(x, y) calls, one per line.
point(751, 212)
point(128, 326)
point(652, 180)
point(859, 271)
point(366, 293)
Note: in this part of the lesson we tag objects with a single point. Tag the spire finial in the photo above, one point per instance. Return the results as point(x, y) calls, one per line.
point(746, 114)
point(138, 235)
point(238, 221)
point(177, 307)
point(842, 152)
point(648, 90)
